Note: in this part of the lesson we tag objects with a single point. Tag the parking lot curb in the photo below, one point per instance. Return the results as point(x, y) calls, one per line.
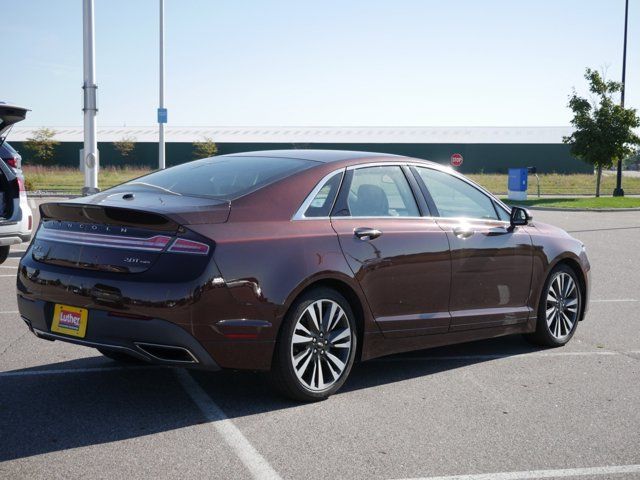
point(551, 209)
point(45, 194)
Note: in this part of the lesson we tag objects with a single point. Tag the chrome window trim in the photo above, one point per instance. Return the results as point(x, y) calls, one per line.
point(388, 217)
point(299, 215)
point(471, 183)
point(386, 164)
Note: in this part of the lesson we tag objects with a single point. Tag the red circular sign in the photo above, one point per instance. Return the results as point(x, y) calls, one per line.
point(456, 160)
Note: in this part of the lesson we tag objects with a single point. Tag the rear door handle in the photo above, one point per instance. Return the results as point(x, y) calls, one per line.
point(365, 233)
point(463, 232)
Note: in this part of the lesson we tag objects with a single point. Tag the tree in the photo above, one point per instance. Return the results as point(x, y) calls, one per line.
point(125, 146)
point(603, 129)
point(42, 145)
point(204, 149)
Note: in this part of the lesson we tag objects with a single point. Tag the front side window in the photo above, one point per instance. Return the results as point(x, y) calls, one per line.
point(381, 192)
point(502, 213)
point(456, 198)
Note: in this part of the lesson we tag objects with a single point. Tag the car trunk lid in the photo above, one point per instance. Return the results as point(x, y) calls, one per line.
point(121, 234)
point(10, 115)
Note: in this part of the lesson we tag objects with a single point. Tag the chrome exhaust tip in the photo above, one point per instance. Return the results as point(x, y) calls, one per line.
point(167, 353)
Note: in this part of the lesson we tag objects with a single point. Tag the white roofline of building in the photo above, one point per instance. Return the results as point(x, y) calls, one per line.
point(460, 135)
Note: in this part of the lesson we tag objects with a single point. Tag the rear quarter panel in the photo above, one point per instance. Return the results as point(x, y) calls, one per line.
point(266, 265)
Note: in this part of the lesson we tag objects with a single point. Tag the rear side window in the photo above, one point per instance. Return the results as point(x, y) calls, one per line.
point(381, 192)
point(323, 201)
point(456, 198)
point(221, 177)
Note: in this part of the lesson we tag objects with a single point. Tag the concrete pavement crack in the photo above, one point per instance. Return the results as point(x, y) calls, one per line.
point(13, 342)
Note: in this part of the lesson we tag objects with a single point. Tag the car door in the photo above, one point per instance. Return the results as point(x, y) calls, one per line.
point(398, 254)
point(491, 263)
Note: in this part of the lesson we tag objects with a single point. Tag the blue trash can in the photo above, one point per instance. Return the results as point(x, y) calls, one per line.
point(518, 183)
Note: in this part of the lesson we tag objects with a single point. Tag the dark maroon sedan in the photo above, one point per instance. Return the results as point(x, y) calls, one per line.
point(298, 262)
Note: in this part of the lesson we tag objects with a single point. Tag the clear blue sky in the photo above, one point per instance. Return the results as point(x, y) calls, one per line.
point(322, 62)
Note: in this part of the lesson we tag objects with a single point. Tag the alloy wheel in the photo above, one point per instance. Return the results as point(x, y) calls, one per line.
point(562, 305)
point(321, 345)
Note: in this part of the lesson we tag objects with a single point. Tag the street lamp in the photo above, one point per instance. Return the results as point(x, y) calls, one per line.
point(162, 112)
point(619, 192)
point(89, 159)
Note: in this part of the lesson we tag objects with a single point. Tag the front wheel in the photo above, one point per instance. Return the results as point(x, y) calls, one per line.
point(4, 253)
point(559, 309)
point(316, 346)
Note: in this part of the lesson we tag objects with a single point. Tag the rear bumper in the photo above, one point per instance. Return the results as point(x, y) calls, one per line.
point(10, 239)
point(154, 340)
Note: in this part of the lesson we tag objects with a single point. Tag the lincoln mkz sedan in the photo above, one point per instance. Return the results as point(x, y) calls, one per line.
point(299, 263)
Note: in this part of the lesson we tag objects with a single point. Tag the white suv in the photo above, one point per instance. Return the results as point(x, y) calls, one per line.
point(16, 218)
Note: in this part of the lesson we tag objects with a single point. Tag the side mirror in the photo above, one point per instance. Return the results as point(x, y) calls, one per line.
point(519, 216)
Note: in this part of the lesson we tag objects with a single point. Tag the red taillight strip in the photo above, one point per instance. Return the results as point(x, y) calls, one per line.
point(152, 244)
point(182, 245)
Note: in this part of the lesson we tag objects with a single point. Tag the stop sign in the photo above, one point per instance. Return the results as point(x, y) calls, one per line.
point(456, 160)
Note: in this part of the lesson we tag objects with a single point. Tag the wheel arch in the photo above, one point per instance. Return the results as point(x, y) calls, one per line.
point(351, 294)
point(573, 264)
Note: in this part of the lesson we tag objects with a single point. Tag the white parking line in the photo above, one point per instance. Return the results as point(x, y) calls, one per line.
point(535, 474)
point(6, 312)
point(615, 300)
point(8, 276)
point(248, 455)
point(9, 266)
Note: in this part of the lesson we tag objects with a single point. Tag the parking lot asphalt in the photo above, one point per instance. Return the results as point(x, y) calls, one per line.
point(488, 409)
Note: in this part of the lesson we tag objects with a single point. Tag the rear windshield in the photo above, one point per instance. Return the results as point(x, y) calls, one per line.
point(219, 177)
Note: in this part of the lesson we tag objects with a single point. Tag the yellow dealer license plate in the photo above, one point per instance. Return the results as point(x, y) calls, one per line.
point(69, 320)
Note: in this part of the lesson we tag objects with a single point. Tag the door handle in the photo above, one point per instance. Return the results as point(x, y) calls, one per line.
point(365, 233)
point(463, 232)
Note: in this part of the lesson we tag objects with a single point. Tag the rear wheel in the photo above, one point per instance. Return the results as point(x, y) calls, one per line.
point(118, 356)
point(4, 253)
point(559, 308)
point(316, 346)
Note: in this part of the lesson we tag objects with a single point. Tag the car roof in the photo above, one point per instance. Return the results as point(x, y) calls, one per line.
point(334, 156)
point(324, 156)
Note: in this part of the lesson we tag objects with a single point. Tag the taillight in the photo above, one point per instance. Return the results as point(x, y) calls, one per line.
point(12, 162)
point(21, 185)
point(182, 245)
point(30, 222)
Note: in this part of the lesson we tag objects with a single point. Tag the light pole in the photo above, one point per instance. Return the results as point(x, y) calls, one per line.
point(90, 153)
point(162, 112)
point(619, 192)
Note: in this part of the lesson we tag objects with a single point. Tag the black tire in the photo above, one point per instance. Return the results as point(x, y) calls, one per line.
point(119, 356)
point(283, 375)
point(4, 253)
point(543, 336)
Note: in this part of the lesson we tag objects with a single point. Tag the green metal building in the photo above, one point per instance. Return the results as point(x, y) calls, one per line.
point(484, 149)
